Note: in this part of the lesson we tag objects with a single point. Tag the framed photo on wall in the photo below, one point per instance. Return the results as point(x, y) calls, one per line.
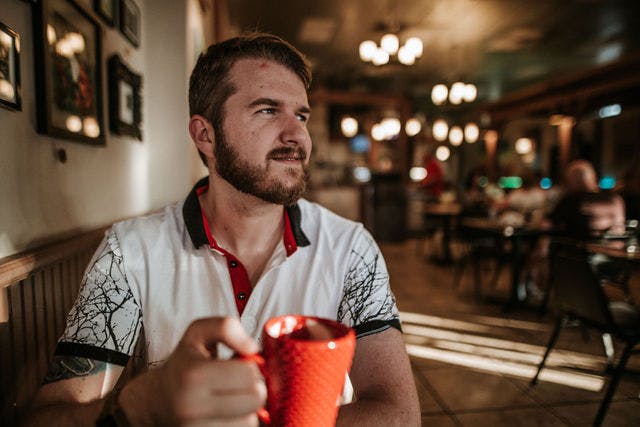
point(125, 101)
point(107, 10)
point(130, 21)
point(9, 68)
point(68, 72)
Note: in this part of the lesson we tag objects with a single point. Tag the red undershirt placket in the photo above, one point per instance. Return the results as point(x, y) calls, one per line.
point(237, 271)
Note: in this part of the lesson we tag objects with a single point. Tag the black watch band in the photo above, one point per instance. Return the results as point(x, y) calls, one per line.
point(112, 414)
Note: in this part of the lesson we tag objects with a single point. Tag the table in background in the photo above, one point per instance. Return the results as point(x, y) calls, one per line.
point(446, 215)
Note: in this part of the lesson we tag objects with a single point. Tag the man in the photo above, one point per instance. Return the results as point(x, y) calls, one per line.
point(204, 275)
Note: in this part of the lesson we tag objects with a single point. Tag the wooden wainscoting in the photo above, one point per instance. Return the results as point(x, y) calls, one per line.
point(37, 289)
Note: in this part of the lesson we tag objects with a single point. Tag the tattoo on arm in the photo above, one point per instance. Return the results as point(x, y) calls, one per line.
point(65, 367)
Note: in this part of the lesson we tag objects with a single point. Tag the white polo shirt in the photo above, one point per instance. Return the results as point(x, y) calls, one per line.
point(160, 272)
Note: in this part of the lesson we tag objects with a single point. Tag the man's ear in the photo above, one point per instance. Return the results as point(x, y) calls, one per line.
point(202, 134)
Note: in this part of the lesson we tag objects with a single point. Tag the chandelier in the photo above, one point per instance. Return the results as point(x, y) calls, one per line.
point(389, 49)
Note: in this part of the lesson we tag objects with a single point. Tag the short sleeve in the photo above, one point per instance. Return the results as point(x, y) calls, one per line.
point(367, 304)
point(105, 321)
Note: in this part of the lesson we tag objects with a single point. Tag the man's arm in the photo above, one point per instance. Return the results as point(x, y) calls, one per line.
point(384, 387)
point(72, 392)
point(193, 386)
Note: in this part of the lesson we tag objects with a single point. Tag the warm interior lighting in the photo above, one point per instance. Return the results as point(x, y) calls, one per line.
point(391, 127)
point(439, 94)
point(417, 173)
point(390, 43)
point(443, 153)
point(367, 50)
point(51, 34)
point(349, 126)
point(456, 135)
point(524, 145)
point(456, 93)
point(74, 123)
point(91, 128)
point(440, 130)
point(412, 127)
point(378, 132)
point(471, 132)
point(414, 44)
point(470, 92)
point(380, 57)
point(6, 89)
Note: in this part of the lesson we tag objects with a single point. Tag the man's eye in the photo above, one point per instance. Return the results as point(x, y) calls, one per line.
point(268, 110)
point(302, 117)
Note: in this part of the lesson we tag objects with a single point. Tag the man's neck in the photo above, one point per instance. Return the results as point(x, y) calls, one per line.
point(244, 225)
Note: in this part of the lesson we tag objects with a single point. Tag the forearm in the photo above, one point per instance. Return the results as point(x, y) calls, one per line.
point(63, 414)
point(372, 412)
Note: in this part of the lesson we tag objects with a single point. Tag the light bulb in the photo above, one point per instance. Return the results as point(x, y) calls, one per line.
point(456, 93)
point(442, 153)
point(439, 94)
point(524, 145)
point(74, 123)
point(456, 135)
point(413, 127)
point(470, 92)
point(417, 173)
point(391, 127)
point(406, 56)
point(471, 133)
point(414, 44)
point(381, 57)
point(349, 126)
point(367, 50)
point(440, 130)
point(91, 128)
point(378, 132)
point(390, 43)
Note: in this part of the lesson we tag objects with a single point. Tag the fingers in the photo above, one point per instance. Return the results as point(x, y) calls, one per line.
point(203, 335)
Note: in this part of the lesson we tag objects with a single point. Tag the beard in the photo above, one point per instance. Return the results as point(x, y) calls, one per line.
point(254, 179)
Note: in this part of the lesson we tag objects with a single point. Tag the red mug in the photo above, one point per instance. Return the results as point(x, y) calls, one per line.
point(304, 361)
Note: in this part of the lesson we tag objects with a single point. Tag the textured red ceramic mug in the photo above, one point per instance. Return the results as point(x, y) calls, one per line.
point(304, 361)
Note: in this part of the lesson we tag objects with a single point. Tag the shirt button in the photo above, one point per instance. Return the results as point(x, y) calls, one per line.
point(232, 264)
point(242, 296)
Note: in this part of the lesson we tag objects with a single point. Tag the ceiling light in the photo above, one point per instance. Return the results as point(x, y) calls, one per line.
point(442, 153)
point(524, 145)
point(456, 93)
point(470, 92)
point(471, 132)
point(456, 135)
point(417, 173)
point(439, 94)
point(391, 127)
point(390, 43)
point(349, 126)
point(377, 132)
point(367, 50)
point(390, 46)
point(413, 127)
point(440, 130)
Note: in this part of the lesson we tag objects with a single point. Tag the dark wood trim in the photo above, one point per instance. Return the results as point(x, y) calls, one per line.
point(15, 268)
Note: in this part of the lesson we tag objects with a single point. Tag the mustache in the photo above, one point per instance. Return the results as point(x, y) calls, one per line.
point(284, 152)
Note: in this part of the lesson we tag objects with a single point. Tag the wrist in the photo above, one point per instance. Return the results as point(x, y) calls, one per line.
point(112, 414)
point(139, 400)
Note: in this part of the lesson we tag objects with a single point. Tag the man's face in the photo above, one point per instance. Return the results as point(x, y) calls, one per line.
point(263, 147)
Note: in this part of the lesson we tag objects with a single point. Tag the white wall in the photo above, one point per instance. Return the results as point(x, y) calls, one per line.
point(42, 198)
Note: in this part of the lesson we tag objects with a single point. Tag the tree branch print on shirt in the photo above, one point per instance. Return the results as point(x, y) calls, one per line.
point(367, 295)
point(105, 314)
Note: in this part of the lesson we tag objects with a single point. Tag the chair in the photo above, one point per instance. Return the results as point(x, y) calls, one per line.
point(579, 296)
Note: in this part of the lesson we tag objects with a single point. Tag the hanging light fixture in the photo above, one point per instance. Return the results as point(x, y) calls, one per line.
point(458, 93)
point(349, 126)
point(440, 130)
point(471, 132)
point(412, 127)
point(443, 153)
point(389, 48)
point(524, 145)
point(456, 135)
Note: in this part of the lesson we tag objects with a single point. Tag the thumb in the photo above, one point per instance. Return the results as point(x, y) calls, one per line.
point(203, 335)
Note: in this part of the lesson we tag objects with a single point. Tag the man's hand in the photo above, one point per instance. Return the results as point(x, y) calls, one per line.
point(193, 388)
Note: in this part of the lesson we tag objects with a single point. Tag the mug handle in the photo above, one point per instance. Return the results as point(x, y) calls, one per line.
point(263, 414)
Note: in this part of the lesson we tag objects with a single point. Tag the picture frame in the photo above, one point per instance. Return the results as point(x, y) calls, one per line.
point(125, 100)
point(10, 89)
point(107, 10)
point(67, 49)
point(130, 21)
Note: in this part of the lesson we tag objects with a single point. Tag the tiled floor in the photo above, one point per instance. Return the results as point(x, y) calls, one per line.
point(472, 362)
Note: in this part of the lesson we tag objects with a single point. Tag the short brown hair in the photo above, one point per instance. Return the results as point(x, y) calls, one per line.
point(210, 84)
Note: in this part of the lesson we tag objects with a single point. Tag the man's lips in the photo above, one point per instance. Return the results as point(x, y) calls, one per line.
point(287, 155)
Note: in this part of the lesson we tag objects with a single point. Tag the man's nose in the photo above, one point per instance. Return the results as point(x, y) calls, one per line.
point(294, 131)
